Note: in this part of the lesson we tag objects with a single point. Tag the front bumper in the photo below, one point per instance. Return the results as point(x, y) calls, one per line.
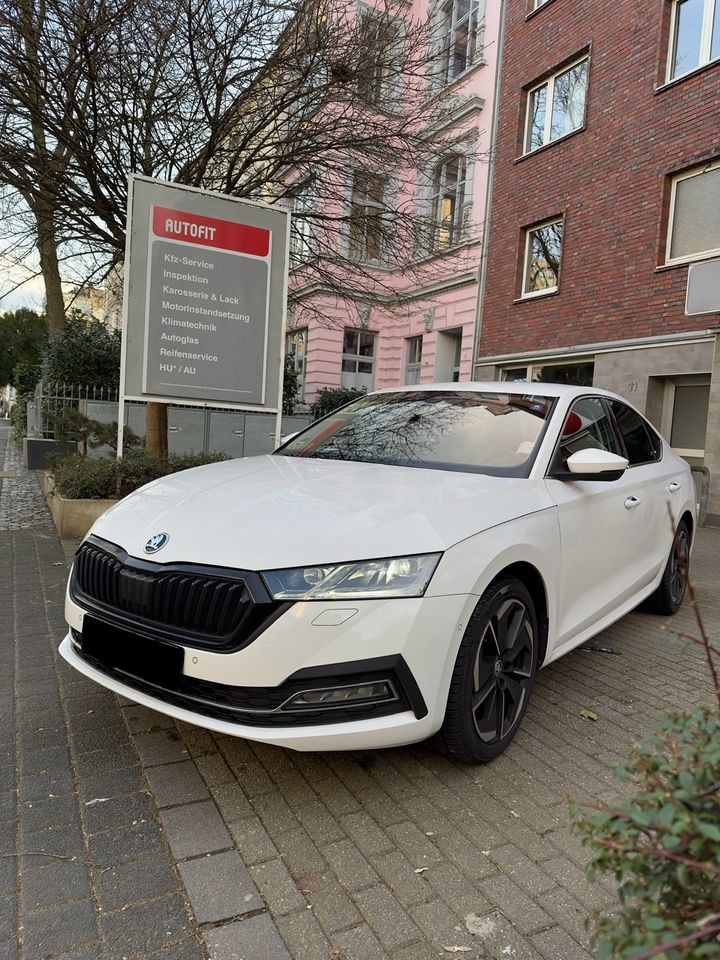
point(413, 641)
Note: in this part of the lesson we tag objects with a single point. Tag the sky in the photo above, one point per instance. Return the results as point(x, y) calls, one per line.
point(30, 294)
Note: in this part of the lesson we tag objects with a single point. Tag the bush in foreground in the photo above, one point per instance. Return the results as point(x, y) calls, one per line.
point(78, 478)
point(662, 844)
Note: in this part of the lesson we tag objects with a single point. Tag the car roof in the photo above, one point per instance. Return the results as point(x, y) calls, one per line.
point(522, 388)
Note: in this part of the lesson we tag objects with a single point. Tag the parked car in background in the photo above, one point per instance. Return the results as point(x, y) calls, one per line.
point(401, 567)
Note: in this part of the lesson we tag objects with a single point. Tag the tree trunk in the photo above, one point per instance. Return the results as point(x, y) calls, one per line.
point(47, 248)
point(156, 430)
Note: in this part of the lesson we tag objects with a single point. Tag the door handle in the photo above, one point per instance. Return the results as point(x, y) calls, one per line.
point(631, 503)
point(674, 486)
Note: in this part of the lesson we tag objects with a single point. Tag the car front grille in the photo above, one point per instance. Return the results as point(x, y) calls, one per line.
point(207, 607)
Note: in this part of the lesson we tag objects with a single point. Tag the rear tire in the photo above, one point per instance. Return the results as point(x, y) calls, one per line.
point(669, 595)
point(494, 674)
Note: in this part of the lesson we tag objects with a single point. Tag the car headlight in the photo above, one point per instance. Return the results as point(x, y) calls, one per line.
point(366, 580)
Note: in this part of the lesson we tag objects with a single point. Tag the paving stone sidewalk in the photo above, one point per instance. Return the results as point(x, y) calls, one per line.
point(162, 840)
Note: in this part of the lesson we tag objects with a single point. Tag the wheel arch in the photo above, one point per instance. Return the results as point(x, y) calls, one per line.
point(532, 579)
point(689, 521)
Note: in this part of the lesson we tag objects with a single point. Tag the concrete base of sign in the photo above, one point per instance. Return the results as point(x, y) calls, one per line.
point(72, 518)
point(36, 450)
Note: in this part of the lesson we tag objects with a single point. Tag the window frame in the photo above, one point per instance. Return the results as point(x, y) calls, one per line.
point(457, 231)
point(710, 10)
point(299, 362)
point(357, 357)
point(695, 172)
point(528, 231)
point(549, 82)
point(532, 365)
point(367, 204)
point(303, 240)
point(413, 366)
point(668, 411)
point(378, 86)
point(449, 28)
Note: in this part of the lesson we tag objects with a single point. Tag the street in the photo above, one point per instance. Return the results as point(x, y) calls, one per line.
point(124, 834)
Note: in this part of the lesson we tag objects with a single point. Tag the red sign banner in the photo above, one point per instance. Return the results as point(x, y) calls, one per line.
point(210, 232)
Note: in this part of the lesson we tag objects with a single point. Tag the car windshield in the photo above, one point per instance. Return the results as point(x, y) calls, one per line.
point(495, 433)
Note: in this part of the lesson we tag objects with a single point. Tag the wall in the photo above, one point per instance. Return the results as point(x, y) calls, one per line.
point(610, 179)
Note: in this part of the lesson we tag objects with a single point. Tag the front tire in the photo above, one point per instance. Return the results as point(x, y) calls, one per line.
point(494, 674)
point(670, 593)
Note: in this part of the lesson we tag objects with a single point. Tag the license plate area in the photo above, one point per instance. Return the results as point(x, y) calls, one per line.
point(121, 651)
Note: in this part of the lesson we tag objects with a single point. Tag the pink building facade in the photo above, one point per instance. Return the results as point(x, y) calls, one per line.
point(416, 321)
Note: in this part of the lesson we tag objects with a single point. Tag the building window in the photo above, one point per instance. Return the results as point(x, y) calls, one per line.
point(536, 4)
point(461, 24)
point(358, 359)
point(367, 226)
point(296, 349)
point(556, 107)
point(578, 374)
point(694, 227)
point(694, 36)
point(303, 241)
point(448, 202)
point(379, 38)
point(414, 360)
point(543, 248)
point(685, 414)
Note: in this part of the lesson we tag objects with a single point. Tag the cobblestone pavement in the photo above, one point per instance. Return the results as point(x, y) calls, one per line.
point(22, 505)
point(162, 840)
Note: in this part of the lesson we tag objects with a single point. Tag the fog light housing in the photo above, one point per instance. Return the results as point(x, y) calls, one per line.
point(373, 691)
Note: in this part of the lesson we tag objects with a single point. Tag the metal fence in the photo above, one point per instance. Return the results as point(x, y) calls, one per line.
point(57, 406)
point(53, 404)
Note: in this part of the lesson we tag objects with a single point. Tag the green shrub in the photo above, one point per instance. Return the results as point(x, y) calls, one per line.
point(84, 352)
point(662, 844)
point(330, 398)
point(76, 477)
point(18, 419)
point(137, 467)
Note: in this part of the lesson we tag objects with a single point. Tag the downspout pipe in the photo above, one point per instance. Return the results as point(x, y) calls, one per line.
point(482, 272)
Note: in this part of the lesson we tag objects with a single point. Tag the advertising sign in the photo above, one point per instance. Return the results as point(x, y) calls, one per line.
point(205, 294)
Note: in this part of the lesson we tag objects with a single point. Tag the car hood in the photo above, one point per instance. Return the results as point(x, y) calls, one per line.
point(273, 511)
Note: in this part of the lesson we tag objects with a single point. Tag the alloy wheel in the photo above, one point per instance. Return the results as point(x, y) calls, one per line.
point(502, 671)
point(678, 562)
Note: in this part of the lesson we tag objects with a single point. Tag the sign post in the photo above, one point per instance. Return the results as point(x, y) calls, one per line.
point(204, 303)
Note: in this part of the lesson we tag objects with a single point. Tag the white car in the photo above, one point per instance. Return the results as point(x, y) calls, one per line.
point(402, 567)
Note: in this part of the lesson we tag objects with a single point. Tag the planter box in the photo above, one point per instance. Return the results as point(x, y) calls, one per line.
point(37, 449)
point(73, 518)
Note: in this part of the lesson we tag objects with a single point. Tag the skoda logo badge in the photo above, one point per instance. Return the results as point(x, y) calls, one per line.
point(156, 542)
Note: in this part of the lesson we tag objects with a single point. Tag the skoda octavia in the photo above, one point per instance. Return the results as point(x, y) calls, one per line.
point(401, 567)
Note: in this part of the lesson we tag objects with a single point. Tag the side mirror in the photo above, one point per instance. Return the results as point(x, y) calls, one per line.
point(593, 464)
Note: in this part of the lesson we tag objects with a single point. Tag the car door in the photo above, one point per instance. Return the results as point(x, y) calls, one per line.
point(657, 483)
point(601, 524)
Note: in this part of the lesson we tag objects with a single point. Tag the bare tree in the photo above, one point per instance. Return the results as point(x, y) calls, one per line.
point(254, 98)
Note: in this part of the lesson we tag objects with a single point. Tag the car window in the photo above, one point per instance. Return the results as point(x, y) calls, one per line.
point(642, 445)
point(587, 426)
point(493, 433)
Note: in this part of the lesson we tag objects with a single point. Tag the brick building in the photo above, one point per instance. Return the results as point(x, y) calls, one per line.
point(606, 188)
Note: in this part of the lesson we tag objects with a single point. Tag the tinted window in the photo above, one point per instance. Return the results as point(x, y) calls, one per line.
point(642, 445)
point(587, 426)
point(493, 433)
